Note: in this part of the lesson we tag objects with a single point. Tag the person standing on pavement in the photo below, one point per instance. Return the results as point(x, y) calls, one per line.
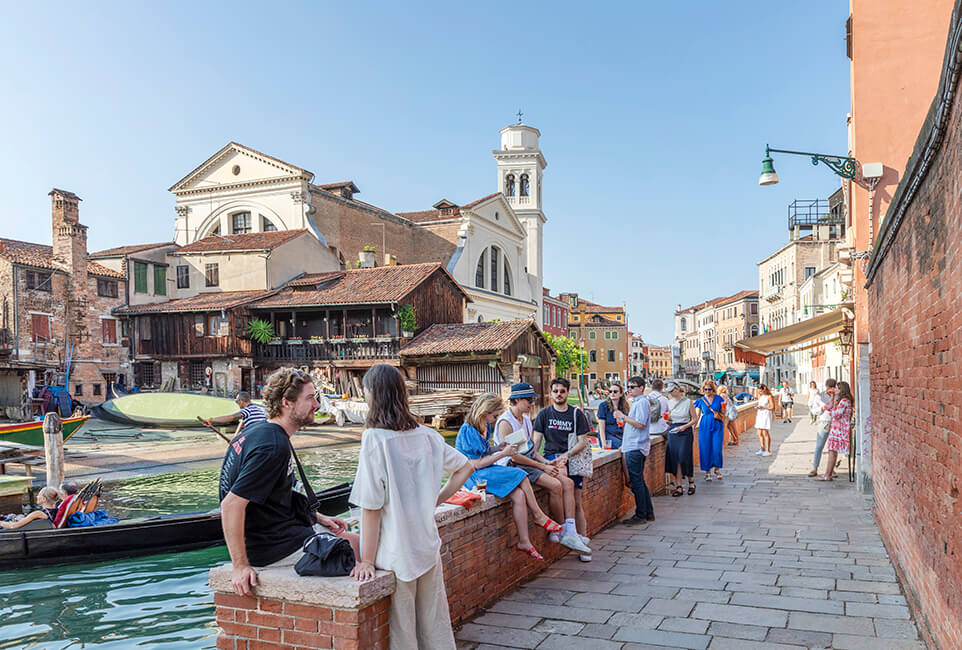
point(555, 423)
point(823, 413)
point(788, 402)
point(840, 432)
point(635, 447)
point(729, 424)
point(609, 428)
point(814, 402)
point(398, 487)
point(711, 431)
point(763, 420)
point(681, 434)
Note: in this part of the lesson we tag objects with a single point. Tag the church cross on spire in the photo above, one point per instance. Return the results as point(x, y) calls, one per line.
point(519, 115)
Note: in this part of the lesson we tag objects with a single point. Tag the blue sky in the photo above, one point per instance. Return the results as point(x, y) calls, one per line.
point(654, 117)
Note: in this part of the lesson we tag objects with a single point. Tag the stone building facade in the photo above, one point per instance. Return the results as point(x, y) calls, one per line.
point(659, 361)
point(606, 342)
point(57, 307)
point(913, 408)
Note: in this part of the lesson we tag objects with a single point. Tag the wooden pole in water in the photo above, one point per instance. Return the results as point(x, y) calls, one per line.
point(53, 449)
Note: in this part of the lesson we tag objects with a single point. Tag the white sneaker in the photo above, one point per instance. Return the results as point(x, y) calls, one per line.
point(584, 558)
point(585, 540)
point(766, 453)
point(554, 538)
point(760, 452)
point(575, 544)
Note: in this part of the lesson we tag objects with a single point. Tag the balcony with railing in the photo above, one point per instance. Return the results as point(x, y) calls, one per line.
point(804, 215)
point(335, 349)
point(6, 342)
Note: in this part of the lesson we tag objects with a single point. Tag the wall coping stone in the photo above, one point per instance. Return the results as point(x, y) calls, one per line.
point(283, 583)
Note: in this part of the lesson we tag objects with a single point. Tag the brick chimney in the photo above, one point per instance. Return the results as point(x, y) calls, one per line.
point(70, 255)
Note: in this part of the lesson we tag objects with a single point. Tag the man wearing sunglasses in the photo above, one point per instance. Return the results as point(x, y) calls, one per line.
point(635, 446)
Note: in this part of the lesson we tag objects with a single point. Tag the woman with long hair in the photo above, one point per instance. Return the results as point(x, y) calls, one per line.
point(711, 431)
point(398, 486)
point(814, 402)
point(763, 420)
point(729, 424)
point(839, 434)
point(474, 441)
point(609, 428)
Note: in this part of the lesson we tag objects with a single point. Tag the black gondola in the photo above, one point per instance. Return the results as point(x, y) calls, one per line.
point(21, 549)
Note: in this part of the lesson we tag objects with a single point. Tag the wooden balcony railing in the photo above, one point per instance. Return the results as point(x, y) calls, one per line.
point(328, 350)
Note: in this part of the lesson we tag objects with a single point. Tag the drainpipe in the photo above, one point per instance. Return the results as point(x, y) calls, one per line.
point(16, 313)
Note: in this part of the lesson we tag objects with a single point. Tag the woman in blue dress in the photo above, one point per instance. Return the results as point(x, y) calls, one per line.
point(609, 428)
point(490, 465)
point(711, 431)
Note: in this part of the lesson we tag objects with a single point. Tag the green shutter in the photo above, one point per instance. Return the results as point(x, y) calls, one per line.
point(140, 277)
point(160, 281)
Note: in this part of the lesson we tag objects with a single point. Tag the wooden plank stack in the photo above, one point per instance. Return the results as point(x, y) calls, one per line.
point(442, 405)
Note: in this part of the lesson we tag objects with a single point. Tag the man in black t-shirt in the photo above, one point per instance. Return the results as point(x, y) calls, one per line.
point(263, 518)
point(555, 422)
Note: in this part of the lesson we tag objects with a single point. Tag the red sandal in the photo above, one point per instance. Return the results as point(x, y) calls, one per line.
point(551, 526)
point(532, 552)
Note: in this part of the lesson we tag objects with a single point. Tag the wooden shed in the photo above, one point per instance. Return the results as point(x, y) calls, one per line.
point(481, 357)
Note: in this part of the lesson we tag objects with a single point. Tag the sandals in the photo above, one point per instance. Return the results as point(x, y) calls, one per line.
point(824, 478)
point(678, 491)
point(551, 526)
point(531, 552)
point(718, 476)
point(708, 478)
point(691, 487)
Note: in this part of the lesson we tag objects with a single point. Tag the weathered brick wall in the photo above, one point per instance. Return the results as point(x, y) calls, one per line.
point(268, 624)
point(916, 396)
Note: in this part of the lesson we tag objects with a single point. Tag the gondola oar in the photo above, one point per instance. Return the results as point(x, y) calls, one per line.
point(213, 428)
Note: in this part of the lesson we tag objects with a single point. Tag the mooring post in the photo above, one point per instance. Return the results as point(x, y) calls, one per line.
point(53, 449)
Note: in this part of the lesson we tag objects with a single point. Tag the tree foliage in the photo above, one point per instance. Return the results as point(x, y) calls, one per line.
point(569, 354)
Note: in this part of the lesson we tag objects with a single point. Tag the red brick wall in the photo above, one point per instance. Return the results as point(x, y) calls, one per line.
point(480, 563)
point(251, 623)
point(916, 395)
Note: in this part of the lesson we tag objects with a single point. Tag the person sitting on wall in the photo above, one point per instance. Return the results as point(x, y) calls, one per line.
point(48, 498)
point(248, 414)
point(264, 520)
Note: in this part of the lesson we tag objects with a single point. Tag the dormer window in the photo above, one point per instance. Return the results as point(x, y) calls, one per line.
point(509, 185)
point(523, 190)
point(447, 212)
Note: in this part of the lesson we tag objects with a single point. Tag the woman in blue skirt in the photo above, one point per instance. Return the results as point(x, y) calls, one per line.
point(711, 431)
point(491, 465)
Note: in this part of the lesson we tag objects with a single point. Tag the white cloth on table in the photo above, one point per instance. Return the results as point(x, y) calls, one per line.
point(400, 473)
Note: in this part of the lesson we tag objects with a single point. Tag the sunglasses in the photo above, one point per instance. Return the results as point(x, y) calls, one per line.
point(630, 386)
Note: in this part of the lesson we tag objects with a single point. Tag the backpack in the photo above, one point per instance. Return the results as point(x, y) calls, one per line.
point(654, 405)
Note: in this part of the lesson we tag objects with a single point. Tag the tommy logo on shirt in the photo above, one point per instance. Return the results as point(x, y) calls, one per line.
point(561, 425)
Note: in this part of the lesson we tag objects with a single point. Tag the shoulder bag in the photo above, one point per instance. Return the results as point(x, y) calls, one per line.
point(579, 464)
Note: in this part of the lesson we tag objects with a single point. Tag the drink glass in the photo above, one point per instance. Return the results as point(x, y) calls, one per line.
point(482, 486)
point(354, 520)
point(665, 415)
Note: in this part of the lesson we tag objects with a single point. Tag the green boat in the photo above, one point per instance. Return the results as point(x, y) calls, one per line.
point(31, 433)
point(164, 409)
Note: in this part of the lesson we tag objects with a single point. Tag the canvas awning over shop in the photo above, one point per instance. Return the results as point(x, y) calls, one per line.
point(719, 375)
point(754, 350)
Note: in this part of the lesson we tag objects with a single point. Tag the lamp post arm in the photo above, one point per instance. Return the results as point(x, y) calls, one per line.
point(844, 166)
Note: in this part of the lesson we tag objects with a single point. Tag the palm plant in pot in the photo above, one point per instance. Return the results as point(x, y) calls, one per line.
point(407, 319)
point(260, 331)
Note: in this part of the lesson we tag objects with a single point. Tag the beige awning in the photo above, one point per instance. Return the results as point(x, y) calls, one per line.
point(808, 331)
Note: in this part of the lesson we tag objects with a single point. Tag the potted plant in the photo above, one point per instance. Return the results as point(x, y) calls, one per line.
point(366, 257)
point(407, 319)
point(260, 331)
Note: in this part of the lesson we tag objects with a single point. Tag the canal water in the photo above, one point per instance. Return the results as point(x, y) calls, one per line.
point(159, 601)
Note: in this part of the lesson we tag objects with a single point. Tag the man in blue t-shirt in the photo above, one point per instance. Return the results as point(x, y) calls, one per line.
point(635, 446)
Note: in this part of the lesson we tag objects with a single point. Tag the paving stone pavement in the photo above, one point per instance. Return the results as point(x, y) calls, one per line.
point(766, 558)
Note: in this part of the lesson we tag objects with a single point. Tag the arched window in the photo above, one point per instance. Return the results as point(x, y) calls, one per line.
point(507, 278)
point(268, 225)
point(509, 185)
point(684, 324)
point(495, 259)
point(592, 356)
point(754, 330)
point(479, 273)
point(523, 189)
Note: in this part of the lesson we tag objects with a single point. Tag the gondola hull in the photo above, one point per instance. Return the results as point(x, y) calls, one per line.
point(165, 534)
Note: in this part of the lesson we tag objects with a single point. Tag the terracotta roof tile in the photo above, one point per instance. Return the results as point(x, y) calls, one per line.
point(383, 284)
point(453, 338)
point(126, 250)
point(421, 216)
point(252, 241)
point(200, 302)
point(41, 257)
point(598, 321)
point(721, 300)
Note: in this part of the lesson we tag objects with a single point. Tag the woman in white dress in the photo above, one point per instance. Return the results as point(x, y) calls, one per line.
point(763, 420)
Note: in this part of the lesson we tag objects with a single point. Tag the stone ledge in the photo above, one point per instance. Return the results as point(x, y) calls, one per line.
point(283, 583)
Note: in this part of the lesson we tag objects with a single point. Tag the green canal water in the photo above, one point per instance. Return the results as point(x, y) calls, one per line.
point(160, 601)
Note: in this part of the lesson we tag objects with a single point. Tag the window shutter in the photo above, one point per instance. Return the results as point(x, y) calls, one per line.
point(108, 327)
point(41, 328)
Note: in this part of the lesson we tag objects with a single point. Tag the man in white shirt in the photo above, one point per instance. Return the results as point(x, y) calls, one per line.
point(659, 426)
point(825, 399)
point(635, 445)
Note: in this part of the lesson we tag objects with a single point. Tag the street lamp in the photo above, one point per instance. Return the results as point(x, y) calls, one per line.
point(845, 341)
point(844, 166)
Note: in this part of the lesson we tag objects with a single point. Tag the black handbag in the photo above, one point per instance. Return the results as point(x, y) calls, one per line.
point(325, 554)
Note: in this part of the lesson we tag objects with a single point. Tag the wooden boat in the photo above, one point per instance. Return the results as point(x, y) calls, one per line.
point(164, 409)
point(165, 534)
point(31, 433)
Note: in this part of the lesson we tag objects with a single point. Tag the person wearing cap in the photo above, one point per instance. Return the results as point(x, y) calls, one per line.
point(550, 476)
point(635, 446)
